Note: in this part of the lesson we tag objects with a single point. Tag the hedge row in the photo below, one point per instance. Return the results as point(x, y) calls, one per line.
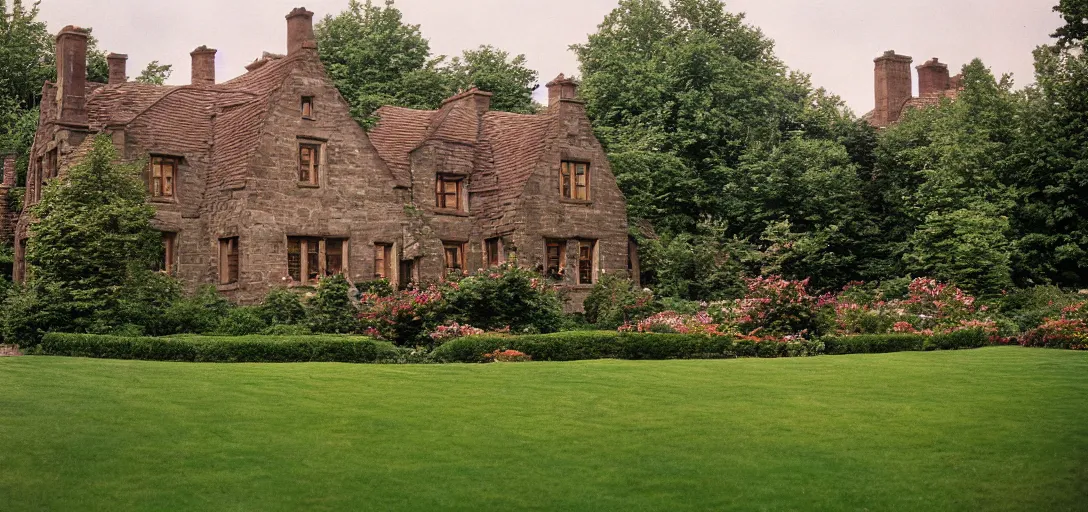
point(579, 345)
point(225, 349)
point(572, 346)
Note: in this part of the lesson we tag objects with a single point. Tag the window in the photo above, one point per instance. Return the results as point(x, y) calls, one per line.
point(308, 107)
point(309, 162)
point(555, 252)
point(228, 260)
point(310, 258)
point(168, 255)
point(574, 180)
point(587, 250)
point(164, 172)
point(51, 162)
point(383, 257)
point(447, 192)
point(492, 252)
point(455, 256)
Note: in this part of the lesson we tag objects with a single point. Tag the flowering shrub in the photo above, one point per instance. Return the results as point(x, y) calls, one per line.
point(773, 306)
point(506, 356)
point(405, 316)
point(444, 333)
point(615, 300)
point(1070, 331)
point(673, 322)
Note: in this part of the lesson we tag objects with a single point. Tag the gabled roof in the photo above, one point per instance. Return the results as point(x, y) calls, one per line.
point(507, 146)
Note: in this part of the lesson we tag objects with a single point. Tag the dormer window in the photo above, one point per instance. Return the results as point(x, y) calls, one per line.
point(164, 173)
point(307, 107)
point(574, 181)
point(309, 163)
point(447, 192)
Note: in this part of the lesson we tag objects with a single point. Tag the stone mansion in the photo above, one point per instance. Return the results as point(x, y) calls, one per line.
point(266, 180)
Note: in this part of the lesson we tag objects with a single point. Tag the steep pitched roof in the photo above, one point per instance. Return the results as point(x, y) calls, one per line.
point(507, 147)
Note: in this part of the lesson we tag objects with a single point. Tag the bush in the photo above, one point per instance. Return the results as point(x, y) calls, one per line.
point(197, 314)
point(282, 307)
point(1062, 333)
point(615, 301)
point(331, 309)
point(248, 349)
point(147, 297)
point(505, 297)
point(873, 343)
point(241, 321)
point(1031, 307)
point(958, 340)
point(574, 346)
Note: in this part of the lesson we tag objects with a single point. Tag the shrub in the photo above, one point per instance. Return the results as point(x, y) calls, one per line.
point(406, 317)
point(331, 309)
point(444, 333)
point(873, 343)
point(774, 306)
point(615, 301)
point(506, 356)
point(1030, 307)
point(1061, 333)
point(251, 349)
point(199, 313)
point(282, 307)
point(505, 297)
point(574, 346)
point(147, 297)
point(974, 337)
point(288, 330)
point(241, 321)
point(673, 322)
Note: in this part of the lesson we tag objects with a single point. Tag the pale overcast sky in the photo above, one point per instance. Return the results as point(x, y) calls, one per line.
point(833, 40)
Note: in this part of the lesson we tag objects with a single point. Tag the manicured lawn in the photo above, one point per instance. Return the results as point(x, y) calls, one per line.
point(990, 429)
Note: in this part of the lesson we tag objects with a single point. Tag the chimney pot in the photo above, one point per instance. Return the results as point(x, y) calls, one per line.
point(300, 30)
point(203, 66)
point(72, 75)
point(933, 77)
point(562, 88)
point(117, 63)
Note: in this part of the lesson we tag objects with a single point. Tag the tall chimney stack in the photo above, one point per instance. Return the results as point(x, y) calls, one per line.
point(203, 66)
point(117, 63)
point(894, 86)
point(72, 75)
point(9, 171)
point(933, 77)
point(562, 88)
point(300, 30)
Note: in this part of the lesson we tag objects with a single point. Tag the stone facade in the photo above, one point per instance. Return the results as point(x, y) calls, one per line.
point(238, 147)
point(894, 87)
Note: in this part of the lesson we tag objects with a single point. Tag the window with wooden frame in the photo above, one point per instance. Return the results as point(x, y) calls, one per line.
point(164, 174)
point(447, 192)
point(587, 259)
point(492, 252)
point(454, 256)
point(51, 163)
point(383, 258)
point(228, 260)
point(307, 107)
point(309, 162)
point(168, 255)
point(574, 180)
point(555, 258)
point(310, 258)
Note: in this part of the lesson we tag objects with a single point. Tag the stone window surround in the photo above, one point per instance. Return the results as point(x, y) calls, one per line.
point(178, 162)
point(307, 100)
point(322, 161)
point(462, 208)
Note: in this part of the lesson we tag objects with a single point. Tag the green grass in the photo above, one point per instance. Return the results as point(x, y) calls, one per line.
point(990, 429)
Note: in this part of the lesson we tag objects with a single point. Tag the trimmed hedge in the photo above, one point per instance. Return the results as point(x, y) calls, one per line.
point(221, 349)
point(884, 343)
point(581, 345)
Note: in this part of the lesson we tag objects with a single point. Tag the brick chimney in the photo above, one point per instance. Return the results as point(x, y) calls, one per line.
point(300, 30)
point(9, 171)
point(562, 88)
point(118, 73)
point(203, 66)
point(893, 87)
point(933, 77)
point(72, 75)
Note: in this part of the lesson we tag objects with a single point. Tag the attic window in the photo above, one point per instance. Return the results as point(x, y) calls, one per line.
point(164, 173)
point(574, 180)
point(447, 192)
point(307, 107)
point(309, 162)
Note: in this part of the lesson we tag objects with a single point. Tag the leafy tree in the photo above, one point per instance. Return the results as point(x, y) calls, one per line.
point(155, 73)
point(493, 70)
point(967, 247)
point(86, 219)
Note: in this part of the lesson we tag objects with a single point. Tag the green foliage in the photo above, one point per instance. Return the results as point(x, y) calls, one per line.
point(155, 73)
point(331, 310)
point(615, 300)
point(1029, 307)
point(575, 346)
point(958, 340)
point(705, 265)
point(199, 313)
point(211, 349)
point(508, 296)
point(147, 299)
point(967, 247)
point(242, 321)
point(873, 343)
point(493, 70)
point(282, 307)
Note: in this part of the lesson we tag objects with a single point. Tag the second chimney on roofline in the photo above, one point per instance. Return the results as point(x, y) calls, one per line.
point(72, 75)
point(894, 86)
point(203, 66)
point(117, 64)
point(933, 77)
point(562, 88)
point(300, 30)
